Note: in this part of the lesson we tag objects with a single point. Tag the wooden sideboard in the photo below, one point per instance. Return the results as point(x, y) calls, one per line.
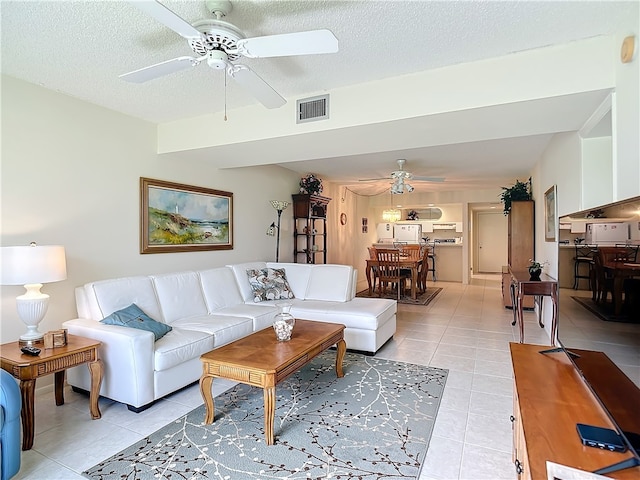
point(550, 398)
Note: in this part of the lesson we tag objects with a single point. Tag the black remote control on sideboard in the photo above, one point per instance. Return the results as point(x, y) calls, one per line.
point(33, 351)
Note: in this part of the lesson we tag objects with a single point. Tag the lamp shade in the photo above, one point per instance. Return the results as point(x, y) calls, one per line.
point(32, 264)
point(279, 204)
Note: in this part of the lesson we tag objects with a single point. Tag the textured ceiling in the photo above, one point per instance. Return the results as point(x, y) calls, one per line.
point(80, 47)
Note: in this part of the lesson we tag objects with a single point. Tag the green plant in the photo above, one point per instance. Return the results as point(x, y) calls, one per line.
point(519, 191)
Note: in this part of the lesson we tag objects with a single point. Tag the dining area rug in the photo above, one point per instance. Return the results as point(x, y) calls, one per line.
point(421, 299)
point(374, 423)
point(605, 311)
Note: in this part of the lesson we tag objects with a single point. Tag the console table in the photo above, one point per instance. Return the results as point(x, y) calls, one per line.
point(521, 285)
point(550, 398)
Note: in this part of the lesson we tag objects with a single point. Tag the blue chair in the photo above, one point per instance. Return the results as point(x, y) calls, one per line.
point(10, 404)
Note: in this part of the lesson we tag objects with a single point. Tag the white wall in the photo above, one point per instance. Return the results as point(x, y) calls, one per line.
point(70, 176)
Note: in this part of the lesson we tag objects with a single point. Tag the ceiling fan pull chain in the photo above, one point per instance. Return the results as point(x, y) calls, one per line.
point(225, 96)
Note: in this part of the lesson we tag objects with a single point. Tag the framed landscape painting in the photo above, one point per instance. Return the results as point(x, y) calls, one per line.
point(183, 218)
point(550, 221)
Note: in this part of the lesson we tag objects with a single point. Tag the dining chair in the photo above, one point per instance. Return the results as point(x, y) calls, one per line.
point(424, 270)
point(605, 277)
point(603, 282)
point(411, 252)
point(389, 271)
point(584, 256)
point(374, 269)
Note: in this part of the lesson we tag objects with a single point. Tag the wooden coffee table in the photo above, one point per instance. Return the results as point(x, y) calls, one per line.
point(260, 360)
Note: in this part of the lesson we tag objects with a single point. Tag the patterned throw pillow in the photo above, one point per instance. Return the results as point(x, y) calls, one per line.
point(269, 284)
point(134, 317)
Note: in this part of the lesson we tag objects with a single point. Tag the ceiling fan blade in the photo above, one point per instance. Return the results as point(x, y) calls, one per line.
point(167, 18)
point(287, 44)
point(261, 90)
point(160, 69)
point(373, 179)
point(428, 179)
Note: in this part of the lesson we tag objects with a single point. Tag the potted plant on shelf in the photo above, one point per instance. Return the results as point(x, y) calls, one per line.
point(310, 184)
point(519, 191)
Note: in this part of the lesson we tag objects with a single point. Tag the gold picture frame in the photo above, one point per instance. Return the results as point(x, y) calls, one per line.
point(550, 215)
point(183, 218)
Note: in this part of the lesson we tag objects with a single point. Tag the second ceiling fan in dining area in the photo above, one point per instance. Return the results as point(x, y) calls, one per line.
point(400, 177)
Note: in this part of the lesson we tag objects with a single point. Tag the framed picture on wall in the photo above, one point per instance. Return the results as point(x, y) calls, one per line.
point(550, 216)
point(183, 218)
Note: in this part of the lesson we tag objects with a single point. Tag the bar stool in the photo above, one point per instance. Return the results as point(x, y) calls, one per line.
point(432, 261)
point(584, 256)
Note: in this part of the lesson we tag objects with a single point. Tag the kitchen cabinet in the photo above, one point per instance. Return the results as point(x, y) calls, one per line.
point(520, 245)
point(310, 228)
point(521, 234)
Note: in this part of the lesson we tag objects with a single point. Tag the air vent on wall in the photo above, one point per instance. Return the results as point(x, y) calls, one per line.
point(312, 109)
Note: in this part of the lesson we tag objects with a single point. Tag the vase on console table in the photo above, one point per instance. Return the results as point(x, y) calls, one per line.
point(534, 273)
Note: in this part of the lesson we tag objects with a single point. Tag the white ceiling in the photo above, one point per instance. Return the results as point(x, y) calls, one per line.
point(80, 47)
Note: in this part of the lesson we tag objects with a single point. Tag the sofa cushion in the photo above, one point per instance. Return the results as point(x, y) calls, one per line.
point(330, 282)
point(220, 289)
point(269, 284)
point(223, 329)
point(179, 346)
point(359, 313)
point(133, 317)
point(179, 295)
point(260, 313)
point(297, 275)
point(118, 293)
point(240, 272)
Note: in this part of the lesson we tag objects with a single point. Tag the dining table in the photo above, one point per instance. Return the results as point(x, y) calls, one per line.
point(405, 262)
point(620, 271)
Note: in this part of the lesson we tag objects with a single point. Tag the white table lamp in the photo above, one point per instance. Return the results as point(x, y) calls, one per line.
point(32, 266)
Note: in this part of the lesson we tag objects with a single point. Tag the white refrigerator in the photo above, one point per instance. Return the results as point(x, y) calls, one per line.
point(408, 233)
point(607, 233)
point(385, 233)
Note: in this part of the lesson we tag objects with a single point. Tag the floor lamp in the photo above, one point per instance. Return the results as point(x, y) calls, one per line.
point(279, 205)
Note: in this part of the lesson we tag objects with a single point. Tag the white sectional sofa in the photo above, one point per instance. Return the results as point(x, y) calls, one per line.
point(207, 309)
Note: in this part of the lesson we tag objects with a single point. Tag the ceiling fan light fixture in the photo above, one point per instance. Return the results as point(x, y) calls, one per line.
point(217, 60)
point(391, 215)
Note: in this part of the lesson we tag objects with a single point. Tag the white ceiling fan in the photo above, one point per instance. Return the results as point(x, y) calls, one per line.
point(399, 178)
point(221, 44)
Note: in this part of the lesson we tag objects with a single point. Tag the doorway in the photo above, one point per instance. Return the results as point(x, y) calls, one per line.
point(491, 242)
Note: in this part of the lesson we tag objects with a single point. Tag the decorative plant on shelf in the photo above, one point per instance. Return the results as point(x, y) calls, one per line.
point(310, 184)
point(519, 191)
point(412, 215)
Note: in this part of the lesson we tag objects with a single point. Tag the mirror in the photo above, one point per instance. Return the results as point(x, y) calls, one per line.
point(429, 213)
point(595, 325)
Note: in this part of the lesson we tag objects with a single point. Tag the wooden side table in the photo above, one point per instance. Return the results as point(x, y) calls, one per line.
point(27, 369)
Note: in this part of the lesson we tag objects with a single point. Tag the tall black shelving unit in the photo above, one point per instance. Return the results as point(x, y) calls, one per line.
point(310, 228)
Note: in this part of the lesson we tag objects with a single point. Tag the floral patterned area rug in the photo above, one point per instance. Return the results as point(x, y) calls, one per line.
point(421, 299)
point(374, 423)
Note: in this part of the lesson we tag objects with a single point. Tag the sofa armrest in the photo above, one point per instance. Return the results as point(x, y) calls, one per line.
point(127, 355)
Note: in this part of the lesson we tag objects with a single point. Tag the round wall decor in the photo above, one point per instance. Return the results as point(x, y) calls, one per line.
point(343, 219)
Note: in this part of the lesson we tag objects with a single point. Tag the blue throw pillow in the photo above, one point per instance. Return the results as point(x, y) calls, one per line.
point(134, 317)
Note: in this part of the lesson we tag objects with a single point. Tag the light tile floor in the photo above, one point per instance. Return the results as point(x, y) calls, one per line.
point(465, 330)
